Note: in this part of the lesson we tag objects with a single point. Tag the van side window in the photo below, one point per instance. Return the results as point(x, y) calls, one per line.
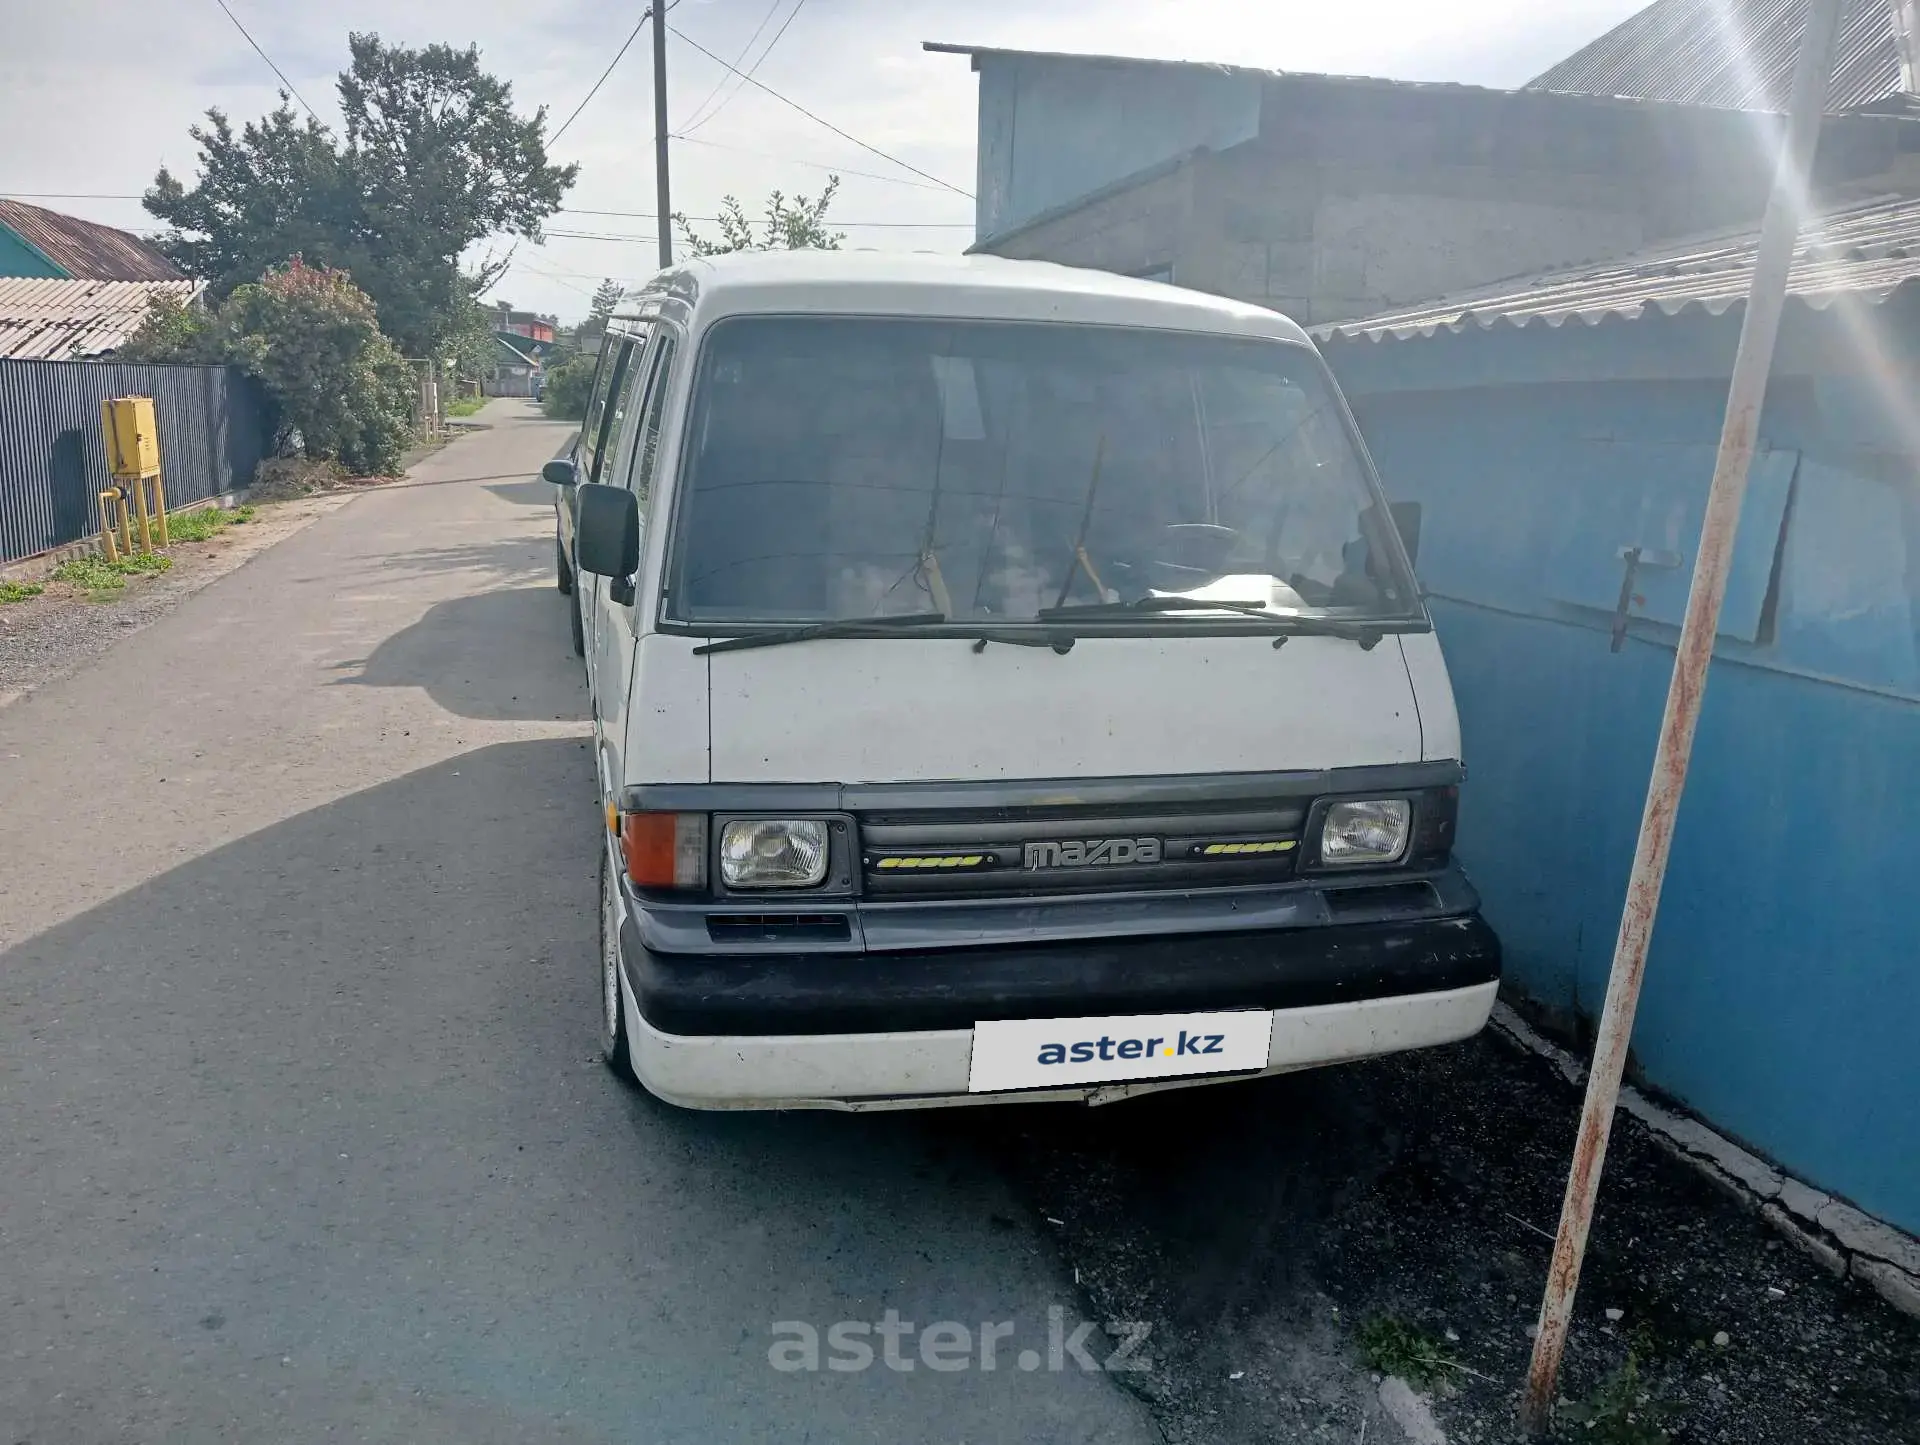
point(597, 402)
point(623, 403)
point(605, 429)
point(646, 454)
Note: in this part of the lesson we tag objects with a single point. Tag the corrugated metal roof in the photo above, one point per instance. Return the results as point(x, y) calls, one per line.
point(87, 250)
point(1622, 100)
point(1737, 53)
point(1867, 251)
point(45, 320)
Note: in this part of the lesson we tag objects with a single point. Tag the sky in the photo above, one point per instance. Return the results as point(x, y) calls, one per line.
point(95, 95)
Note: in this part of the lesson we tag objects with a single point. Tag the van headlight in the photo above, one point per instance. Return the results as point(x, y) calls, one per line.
point(773, 853)
point(1372, 830)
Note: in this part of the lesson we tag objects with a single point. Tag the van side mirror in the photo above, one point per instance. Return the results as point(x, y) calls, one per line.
point(1406, 520)
point(560, 471)
point(607, 531)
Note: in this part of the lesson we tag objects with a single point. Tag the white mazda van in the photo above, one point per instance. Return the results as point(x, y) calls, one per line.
point(1009, 683)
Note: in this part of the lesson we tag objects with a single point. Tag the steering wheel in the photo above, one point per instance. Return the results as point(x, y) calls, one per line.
point(1192, 554)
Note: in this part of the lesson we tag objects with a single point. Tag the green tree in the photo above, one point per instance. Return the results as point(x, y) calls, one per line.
point(606, 298)
point(311, 336)
point(796, 224)
point(433, 159)
point(467, 350)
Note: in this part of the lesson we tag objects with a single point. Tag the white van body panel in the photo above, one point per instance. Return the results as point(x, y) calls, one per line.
point(1433, 690)
point(666, 728)
point(988, 288)
point(892, 710)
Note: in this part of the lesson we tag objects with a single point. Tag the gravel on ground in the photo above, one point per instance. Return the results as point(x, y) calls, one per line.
point(1260, 1228)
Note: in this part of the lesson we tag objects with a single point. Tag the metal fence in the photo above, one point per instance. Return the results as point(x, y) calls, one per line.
point(214, 429)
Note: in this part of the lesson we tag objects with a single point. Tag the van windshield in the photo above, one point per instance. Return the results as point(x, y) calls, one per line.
point(863, 467)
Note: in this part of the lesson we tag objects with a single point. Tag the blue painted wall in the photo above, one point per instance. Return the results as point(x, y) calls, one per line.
point(17, 258)
point(1782, 998)
point(1053, 129)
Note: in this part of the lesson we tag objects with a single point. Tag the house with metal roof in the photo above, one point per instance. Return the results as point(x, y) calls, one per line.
point(64, 320)
point(1329, 197)
point(1559, 432)
point(1740, 53)
point(71, 289)
point(41, 244)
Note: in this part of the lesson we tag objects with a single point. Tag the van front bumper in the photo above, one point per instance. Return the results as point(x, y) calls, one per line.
point(896, 1029)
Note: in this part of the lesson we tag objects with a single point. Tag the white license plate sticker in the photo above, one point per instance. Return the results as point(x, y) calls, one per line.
point(1047, 1053)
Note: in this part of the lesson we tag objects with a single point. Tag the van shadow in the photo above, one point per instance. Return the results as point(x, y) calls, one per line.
point(501, 655)
point(533, 493)
point(328, 1099)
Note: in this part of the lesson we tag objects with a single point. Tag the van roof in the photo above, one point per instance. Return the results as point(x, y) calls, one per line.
point(924, 284)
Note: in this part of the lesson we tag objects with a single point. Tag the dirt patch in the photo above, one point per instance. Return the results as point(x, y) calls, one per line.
point(1263, 1227)
point(64, 626)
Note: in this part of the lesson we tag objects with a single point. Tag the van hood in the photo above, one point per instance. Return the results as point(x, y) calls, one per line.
point(863, 710)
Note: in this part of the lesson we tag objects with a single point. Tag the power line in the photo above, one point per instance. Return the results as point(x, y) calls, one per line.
point(751, 71)
point(817, 165)
point(71, 196)
point(266, 57)
point(762, 85)
point(526, 265)
point(693, 118)
point(596, 236)
point(638, 25)
point(881, 225)
point(888, 225)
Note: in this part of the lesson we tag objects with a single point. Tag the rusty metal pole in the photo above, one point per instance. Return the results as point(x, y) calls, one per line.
point(1766, 298)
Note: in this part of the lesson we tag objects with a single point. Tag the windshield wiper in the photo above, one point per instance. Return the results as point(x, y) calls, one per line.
point(1287, 624)
point(1060, 642)
point(836, 627)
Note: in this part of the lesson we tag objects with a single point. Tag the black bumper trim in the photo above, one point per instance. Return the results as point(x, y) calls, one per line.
point(788, 994)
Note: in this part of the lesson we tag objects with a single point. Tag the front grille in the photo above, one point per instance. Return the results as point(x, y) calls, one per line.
point(1065, 849)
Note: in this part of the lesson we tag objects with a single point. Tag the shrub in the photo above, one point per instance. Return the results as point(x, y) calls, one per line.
point(312, 338)
point(175, 331)
point(568, 384)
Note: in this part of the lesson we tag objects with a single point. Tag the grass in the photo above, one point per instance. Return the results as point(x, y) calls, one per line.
point(1622, 1411)
point(203, 522)
point(1394, 1347)
point(98, 577)
point(465, 405)
point(19, 591)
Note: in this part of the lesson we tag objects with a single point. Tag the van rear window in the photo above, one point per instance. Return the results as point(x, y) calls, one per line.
point(841, 467)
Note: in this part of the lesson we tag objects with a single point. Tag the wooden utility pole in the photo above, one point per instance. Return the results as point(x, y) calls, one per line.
point(662, 202)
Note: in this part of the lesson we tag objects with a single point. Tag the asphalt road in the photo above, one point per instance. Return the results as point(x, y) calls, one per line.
point(302, 1135)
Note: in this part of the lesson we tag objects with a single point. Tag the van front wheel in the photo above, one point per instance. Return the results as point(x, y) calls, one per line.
point(613, 1019)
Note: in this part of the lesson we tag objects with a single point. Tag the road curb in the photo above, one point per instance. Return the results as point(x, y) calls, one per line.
point(1843, 1240)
